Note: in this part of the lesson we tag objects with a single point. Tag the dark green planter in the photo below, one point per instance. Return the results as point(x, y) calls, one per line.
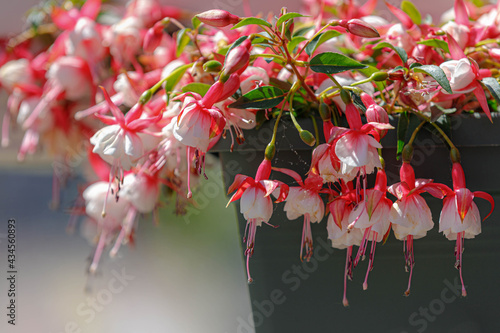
point(290, 296)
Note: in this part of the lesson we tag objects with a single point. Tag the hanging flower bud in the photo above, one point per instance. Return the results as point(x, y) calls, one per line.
point(376, 113)
point(237, 58)
point(153, 37)
point(359, 28)
point(218, 18)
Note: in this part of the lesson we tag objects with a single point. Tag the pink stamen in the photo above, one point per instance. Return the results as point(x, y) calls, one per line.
point(410, 261)
point(370, 263)
point(125, 231)
point(458, 252)
point(307, 241)
point(5, 129)
point(188, 156)
point(98, 251)
point(362, 248)
point(251, 229)
point(347, 272)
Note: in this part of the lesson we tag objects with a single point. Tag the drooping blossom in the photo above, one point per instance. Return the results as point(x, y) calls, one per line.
point(96, 197)
point(410, 215)
point(371, 216)
point(460, 218)
point(338, 232)
point(304, 200)
point(255, 202)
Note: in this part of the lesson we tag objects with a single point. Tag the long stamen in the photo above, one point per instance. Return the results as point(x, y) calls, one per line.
point(307, 241)
point(370, 263)
point(252, 226)
point(362, 248)
point(347, 272)
point(188, 153)
point(460, 250)
point(98, 251)
point(125, 231)
point(409, 261)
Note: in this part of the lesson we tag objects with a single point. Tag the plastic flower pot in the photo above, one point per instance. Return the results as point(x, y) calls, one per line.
point(288, 295)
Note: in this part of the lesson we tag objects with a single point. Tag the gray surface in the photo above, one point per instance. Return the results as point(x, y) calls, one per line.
point(187, 274)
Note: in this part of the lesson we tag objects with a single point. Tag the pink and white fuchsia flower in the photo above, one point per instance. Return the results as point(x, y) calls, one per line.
point(304, 200)
point(371, 216)
point(119, 143)
point(410, 215)
point(338, 232)
point(255, 202)
point(96, 201)
point(460, 218)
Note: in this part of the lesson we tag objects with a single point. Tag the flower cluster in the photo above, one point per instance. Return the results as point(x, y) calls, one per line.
point(148, 93)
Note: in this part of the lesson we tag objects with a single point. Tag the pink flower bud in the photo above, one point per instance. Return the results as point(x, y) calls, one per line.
point(237, 59)
point(360, 28)
point(218, 18)
point(376, 113)
point(494, 53)
point(153, 37)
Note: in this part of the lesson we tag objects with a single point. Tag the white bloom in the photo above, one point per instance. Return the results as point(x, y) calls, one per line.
point(460, 74)
point(113, 144)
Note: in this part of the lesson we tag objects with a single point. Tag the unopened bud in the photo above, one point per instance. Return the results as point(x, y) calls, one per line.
point(212, 66)
point(407, 153)
point(345, 97)
point(236, 59)
point(379, 76)
point(325, 111)
point(270, 151)
point(376, 113)
point(218, 18)
point(308, 138)
point(359, 28)
point(153, 37)
point(145, 97)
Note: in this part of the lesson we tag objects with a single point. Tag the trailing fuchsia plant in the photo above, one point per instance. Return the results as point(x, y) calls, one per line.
point(171, 88)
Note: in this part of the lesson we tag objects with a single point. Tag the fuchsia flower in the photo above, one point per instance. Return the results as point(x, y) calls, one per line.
point(119, 143)
point(305, 200)
point(357, 148)
point(371, 217)
point(96, 198)
point(410, 216)
point(338, 232)
point(464, 74)
point(460, 218)
point(255, 204)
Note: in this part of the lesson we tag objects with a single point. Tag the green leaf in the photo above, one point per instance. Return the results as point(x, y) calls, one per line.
point(415, 64)
point(434, 42)
point(403, 123)
point(175, 77)
point(437, 74)
point(409, 8)
point(251, 20)
point(493, 86)
point(333, 63)
point(236, 43)
point(261, 98)
point(294, 42)
point(286, 17)
point(302, 31)
point(196, 87)
point(320, 39)
point(182, 40)
point(196, 22)
point(399, 50)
